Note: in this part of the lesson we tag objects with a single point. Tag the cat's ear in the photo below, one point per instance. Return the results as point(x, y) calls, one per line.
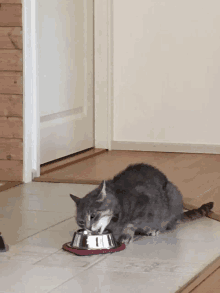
point(102, 194)
point(75, 198)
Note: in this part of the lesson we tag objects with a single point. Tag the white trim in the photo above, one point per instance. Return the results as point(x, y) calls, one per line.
point(31, 162)
point(103, 79)
point(166, 147)
point(85, 12)
point(110, 74)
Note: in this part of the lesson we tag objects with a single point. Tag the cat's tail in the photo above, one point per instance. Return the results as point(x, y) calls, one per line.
point(194, 214)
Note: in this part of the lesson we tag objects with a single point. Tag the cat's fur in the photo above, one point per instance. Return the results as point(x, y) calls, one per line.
point(139, 199)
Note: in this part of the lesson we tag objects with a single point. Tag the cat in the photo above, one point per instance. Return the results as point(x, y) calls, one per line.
point(140, 200)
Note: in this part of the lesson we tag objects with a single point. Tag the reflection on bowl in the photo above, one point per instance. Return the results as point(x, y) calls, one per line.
point(84, 239)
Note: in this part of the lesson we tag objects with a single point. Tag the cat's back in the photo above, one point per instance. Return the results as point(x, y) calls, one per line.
point(139, 174)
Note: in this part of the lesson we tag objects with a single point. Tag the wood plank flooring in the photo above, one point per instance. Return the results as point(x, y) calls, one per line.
point(196, 175)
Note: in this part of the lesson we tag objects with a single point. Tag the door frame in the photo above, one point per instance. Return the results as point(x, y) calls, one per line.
point(103, 83)
point(103, 73)
point(31, 116)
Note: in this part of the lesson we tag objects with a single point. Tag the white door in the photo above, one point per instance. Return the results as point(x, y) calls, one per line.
point(65, 77)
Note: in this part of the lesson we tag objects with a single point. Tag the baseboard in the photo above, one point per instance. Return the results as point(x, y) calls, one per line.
point(166, 147)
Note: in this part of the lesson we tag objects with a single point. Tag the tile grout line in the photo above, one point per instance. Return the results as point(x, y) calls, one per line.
point(46, 257)
point(44, 229)
point(89, 266)
point(45, 211)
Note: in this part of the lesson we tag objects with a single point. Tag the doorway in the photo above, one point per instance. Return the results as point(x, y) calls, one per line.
point(35, 119)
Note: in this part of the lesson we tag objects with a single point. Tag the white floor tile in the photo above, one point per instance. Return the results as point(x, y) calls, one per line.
point(22, 223)
point(68, 225)
point(97, 281)
point(36, 219)
point(44, 196)
point(71, 261)
point(22, 277)
point(148, 265)
point(45, 241)
point(29, 257)
point(204, 226)
point(49, 189)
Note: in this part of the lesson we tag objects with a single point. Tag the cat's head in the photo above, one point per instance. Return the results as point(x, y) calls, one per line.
point(96, 209)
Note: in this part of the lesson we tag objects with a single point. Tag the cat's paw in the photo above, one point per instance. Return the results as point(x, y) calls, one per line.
point(125, 238)
point(153, 233)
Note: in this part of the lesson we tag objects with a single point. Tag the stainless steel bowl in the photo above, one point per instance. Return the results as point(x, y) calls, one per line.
point(84, 239)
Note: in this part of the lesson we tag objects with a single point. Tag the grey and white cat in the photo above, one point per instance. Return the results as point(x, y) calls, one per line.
point(139, 199)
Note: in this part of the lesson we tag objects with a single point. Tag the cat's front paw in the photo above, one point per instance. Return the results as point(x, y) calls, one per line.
point(153, 233)
point(125, 238)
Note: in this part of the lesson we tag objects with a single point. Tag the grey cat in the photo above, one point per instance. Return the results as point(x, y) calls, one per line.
point(138, 200)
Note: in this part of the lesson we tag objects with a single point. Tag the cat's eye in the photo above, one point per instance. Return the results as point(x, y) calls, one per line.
point(81, 223)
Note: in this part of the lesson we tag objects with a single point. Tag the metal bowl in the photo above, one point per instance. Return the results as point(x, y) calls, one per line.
point(84, 239)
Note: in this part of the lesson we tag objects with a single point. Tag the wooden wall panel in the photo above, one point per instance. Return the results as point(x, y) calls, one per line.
point(11, 1)
point(11, 89)
point(11, 60)
point(10, 14)
point(11, 82)
point(11, 105)
point(11, 149)
point(11, 38)
point(11, 127)
point(11, 170)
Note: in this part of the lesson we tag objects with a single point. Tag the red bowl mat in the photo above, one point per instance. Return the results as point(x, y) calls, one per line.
point(77, 251)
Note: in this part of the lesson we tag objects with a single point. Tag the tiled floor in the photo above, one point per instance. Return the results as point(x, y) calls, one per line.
point(37, 218)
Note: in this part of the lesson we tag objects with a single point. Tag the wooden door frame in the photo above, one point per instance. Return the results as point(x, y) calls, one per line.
point(103, 83)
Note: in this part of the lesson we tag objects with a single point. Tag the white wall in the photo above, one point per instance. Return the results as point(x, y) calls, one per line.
point(166, 71)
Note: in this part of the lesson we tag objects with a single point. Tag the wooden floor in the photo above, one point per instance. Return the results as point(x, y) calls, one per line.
point(196, 175)
point(69, 160)
point(4, 185)
point(210, 284)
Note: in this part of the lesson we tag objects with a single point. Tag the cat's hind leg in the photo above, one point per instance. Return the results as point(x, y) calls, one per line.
point(147, 232)
point(172, 224)
point(127, 234)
